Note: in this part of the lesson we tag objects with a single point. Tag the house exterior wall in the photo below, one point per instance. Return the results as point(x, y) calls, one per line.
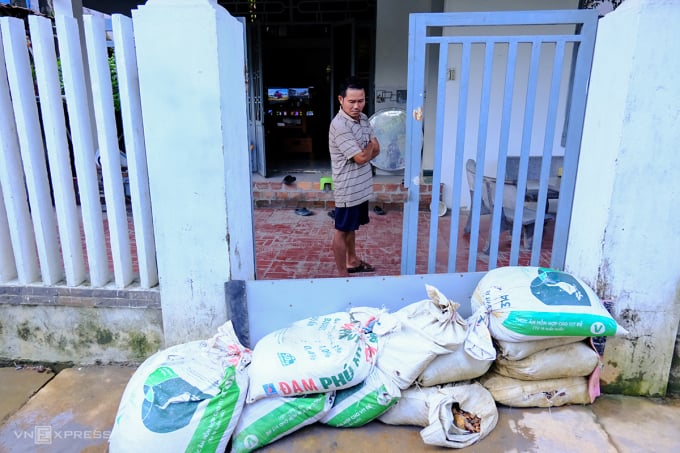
point(625, 229)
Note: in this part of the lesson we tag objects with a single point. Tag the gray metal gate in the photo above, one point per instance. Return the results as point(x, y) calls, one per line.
point(505, 92)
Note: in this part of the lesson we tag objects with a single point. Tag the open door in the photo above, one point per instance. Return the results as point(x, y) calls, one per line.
point(258, 161)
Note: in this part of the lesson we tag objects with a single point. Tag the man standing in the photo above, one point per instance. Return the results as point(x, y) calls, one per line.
point(352, 144)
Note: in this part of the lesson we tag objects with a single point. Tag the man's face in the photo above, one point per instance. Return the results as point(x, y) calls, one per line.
point(353, 102)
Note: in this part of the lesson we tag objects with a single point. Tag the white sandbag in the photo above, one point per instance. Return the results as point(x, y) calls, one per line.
point(363, 403)
point(518, 350)
point(570, 360)
point(187, 397)
point(453, 367)
point(448, 427)
point(547, 393)
point(270, 419)
point(471, 360)
point(433, 409)
point(409, 339)
point(313, 355)
point(412, 408)
point(531, 303)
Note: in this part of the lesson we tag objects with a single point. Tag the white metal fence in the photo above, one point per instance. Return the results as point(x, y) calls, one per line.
point(69, 213)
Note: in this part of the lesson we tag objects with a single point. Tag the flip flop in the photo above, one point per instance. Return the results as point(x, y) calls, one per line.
point(378, 210)
point(303, 211)
point(288, 180)
point(331, 214)
point(362, 267)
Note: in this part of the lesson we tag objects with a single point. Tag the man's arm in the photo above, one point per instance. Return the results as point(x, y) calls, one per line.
point(369, 153)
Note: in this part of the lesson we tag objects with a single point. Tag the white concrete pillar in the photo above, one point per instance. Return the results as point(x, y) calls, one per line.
point(625, 232)
point(193, 94)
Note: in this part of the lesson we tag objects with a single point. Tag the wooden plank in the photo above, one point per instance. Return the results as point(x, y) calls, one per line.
point(23, 252)
point(75, 89)
point(133, 125)
point(274, 304)
point(54, 127)
point(32, 148)
point(100, 76)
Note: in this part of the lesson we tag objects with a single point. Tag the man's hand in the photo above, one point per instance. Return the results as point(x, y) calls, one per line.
point(370, 152)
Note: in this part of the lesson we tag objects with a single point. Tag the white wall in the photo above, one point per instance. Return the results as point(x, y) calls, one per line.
point(625, 230)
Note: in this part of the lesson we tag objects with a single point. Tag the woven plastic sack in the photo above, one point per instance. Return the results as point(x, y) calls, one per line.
point(363, 403)
point(518, 350)
point(532, 303)
point(569, 360)
point(314, 355)
point(432, 408)
point(546, 393)
point(187, 397)
point(410, 338)
point(270, 419)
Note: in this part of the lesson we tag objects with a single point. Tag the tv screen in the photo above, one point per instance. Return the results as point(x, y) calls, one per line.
point(277, 94)
point(299, 93)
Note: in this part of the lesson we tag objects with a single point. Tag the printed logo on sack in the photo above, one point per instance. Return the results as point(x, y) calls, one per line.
point(286, 358)
point(597, 328)
point(553, 287)
point(269, 389)
point(169, 401)
point(251, 441)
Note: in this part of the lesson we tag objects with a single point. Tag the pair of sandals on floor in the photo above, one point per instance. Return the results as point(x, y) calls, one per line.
point(362, 267)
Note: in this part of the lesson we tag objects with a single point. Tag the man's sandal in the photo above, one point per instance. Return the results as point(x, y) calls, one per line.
point(362, 267)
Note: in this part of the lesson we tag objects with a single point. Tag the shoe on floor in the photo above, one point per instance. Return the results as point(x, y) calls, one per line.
point(362, 267)
point(288, 180)
point(378, 210)
point(303, 211)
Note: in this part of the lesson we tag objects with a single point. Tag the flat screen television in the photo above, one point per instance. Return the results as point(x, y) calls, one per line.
point(301, 94)
point(277, 95)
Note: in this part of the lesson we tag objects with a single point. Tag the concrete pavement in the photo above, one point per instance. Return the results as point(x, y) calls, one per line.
point(74, 409)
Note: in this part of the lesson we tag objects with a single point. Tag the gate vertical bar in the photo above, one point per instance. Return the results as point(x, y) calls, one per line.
point(133, 125)
point(436, 173)
point(32, 148)
point(24, 251)
point(414, 108)
point(54, 128)
point(80, 121)
point(576, 114)
point(100, 75)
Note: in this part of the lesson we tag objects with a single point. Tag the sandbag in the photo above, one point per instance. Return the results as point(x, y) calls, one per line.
point(363, 403)
point(269, 419)
point(470, 360)
point(313, 355)
point(530, 303)
point(440, 411)
point(570, 360)
point(410, 338)
point(187, 397)
point(518, 350)
point(546, 393)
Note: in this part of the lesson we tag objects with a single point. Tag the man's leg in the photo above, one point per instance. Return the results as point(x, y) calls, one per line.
point(340, 251)
point(350, 250)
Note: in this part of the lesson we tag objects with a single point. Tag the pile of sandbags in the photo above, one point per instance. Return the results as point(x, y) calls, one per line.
point(527, 344)
point(542, 321)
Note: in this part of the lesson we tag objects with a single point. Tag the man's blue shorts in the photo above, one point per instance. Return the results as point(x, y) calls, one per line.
point(349, 219)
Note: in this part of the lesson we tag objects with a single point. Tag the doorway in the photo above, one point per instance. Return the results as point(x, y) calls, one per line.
point(300, 55)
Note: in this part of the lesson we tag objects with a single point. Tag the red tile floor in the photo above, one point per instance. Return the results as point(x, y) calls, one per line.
point(290, 246)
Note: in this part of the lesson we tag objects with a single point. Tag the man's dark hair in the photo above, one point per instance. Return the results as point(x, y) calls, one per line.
point(353, 83)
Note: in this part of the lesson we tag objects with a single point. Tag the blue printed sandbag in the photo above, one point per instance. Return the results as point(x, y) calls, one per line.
point(186, 398)
point(314, 355)
point(521, 303)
